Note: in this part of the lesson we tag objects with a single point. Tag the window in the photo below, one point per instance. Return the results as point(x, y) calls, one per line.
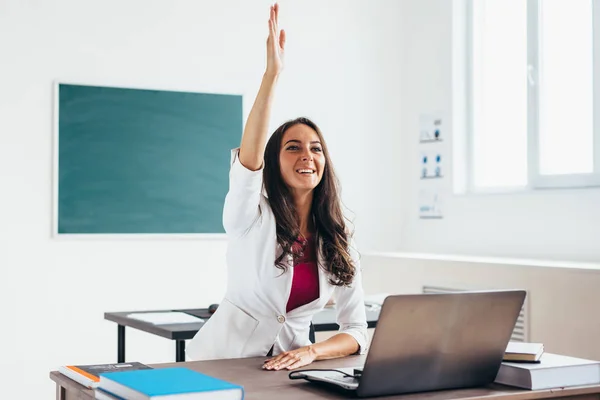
point(531, 94)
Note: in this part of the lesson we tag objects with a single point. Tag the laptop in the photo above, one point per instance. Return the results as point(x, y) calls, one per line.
point(427, 342)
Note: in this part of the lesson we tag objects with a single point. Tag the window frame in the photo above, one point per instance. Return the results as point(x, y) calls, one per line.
point(535, 180)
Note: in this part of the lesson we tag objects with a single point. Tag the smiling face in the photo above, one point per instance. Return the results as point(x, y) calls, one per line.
point(301, 158)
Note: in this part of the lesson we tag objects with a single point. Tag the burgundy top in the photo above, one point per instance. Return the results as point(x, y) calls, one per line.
point(305, 282)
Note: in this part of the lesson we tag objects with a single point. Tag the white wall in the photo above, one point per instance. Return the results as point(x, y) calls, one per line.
point(544, 225)
point(562, 298)
point(342, 70)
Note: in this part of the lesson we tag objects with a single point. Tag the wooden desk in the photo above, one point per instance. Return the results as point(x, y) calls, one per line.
point(275, 385)
point(322, 321)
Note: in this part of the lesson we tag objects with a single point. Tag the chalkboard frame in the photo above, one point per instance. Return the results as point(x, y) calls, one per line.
point(55, 234)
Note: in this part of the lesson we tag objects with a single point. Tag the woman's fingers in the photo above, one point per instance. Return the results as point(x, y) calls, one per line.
point(285, 361)
point(282, 39)
point(272, 25)
point(275, 359)
point(268, 364)
point(275, 43)
point(271, 34)
point(282, 361)
point(296, 364)
point(275, 363)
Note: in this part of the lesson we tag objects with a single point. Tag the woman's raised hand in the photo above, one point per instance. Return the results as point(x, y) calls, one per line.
point(252, 148)
point(275, 43)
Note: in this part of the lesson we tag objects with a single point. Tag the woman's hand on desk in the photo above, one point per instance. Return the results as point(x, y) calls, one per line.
point(291, 359)
point(339, 345)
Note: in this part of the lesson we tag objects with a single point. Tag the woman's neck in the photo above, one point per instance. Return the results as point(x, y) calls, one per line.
point(303, 208)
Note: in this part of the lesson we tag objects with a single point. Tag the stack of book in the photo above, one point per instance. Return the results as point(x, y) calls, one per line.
point(89, 375)
point(532, 368)
point(137, 381)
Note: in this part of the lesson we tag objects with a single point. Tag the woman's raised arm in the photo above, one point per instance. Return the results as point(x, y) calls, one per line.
point(255, 132)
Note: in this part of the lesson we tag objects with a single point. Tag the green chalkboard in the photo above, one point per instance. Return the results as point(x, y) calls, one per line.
point(134, 161)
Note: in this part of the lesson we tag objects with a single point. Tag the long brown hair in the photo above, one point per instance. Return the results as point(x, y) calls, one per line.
point(331, 235)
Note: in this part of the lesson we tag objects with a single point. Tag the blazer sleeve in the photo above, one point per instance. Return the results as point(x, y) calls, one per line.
point(350, 306)
point(241, 207)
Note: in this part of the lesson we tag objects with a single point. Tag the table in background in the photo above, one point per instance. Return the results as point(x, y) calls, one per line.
point(322, 321)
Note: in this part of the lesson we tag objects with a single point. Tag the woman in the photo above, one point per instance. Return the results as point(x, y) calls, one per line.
point(289, 250)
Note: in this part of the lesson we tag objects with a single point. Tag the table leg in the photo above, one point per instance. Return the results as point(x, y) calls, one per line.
point(311, 333)
point(61, 393)
point(180, 350)
point(121, 344)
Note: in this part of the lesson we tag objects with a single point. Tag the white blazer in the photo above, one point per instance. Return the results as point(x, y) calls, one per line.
point(252, 317)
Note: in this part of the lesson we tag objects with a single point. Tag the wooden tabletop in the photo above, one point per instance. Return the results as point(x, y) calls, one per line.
point(271, 385)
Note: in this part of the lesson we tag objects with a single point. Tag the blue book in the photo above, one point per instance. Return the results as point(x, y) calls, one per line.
point(168, 383)
point(100, 394)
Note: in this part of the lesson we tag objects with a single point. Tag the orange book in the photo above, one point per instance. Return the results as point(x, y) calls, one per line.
point(89, 375)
